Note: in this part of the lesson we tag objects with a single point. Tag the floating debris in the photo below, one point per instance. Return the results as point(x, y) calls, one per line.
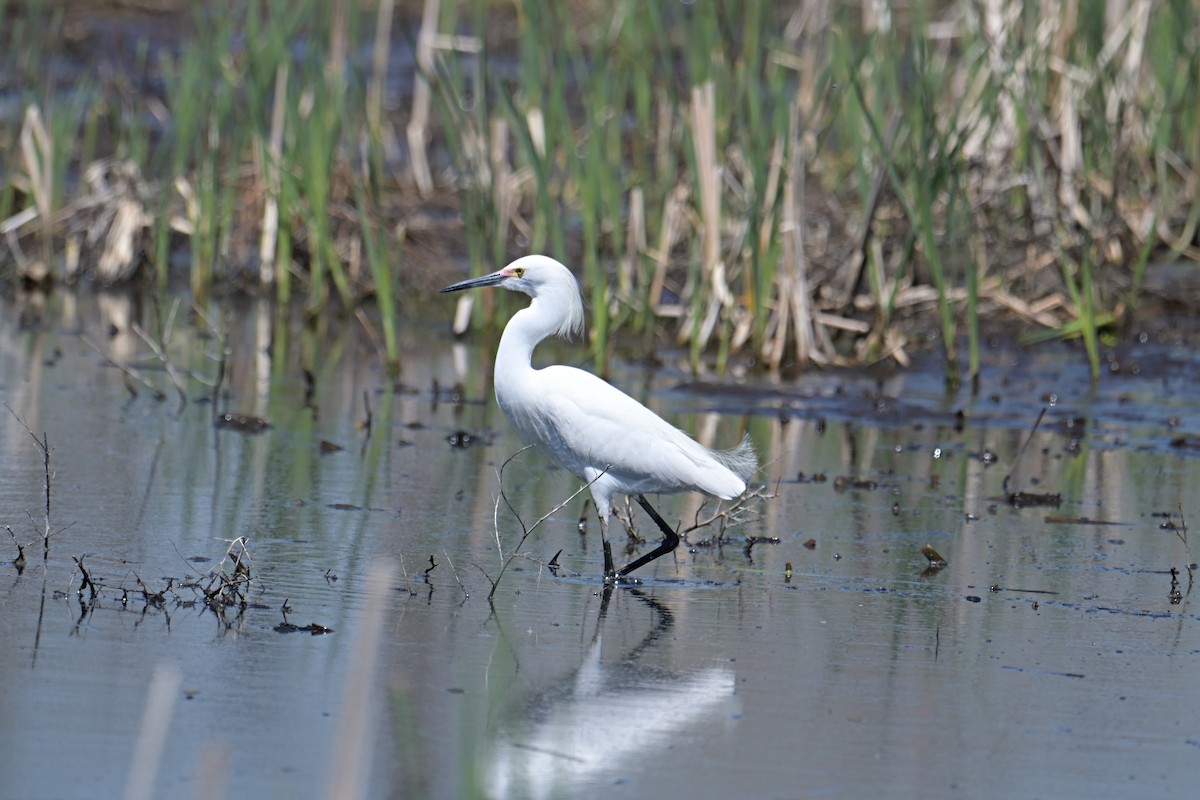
point(753, 540)
point(843, 482)
point(1175, 595)
point(463, 439)
point(1054, 519)
point(316, 629)
point(242, 423)
point(935, 558)
point(1031, 499)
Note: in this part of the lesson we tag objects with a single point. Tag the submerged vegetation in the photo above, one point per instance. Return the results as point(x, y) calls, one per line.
point(789, 181)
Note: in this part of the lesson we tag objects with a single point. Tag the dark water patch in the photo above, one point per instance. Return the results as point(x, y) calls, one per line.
point(1146, 408)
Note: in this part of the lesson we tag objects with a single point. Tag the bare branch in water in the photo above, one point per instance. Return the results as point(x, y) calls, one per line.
point(526, 531)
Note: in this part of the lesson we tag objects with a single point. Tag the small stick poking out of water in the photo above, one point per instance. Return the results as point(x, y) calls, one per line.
point(935, 558)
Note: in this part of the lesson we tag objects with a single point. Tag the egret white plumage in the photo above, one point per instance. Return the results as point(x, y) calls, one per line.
point(594, 430)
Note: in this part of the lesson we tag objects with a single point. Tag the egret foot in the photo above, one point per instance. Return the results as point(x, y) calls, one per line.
point(670, 542)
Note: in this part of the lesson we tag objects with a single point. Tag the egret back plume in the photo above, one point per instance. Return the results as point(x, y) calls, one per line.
point(741, 460)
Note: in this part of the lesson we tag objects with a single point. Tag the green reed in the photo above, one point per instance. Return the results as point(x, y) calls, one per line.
point(381, 273)
point(936, 139)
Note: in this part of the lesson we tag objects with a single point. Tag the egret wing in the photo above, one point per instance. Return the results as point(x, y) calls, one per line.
point(597, 425)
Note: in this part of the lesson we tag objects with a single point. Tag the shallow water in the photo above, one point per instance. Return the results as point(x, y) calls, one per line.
point(1046, 660)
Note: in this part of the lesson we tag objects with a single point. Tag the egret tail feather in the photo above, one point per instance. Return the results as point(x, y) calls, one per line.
point(741, 460)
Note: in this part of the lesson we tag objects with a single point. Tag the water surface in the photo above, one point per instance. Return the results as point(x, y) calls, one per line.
point(1048, 659)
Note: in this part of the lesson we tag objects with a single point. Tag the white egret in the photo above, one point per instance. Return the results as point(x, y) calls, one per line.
point(594, 430)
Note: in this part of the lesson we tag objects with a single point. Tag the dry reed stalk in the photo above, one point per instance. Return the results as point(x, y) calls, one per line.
point(877, 16)
point(186, 224)
point(794, 305)
point(116, 261)
point(1125, 88)
point(537, 130)
point(1070, 154)
point(37, 156)
point(995, 293)
point(993, 143)
point(893, 347)
point(704, 137)
point(743, 327)
point(18, 220)
point(810, 16)
point(673, 229)
point(628, 272)
point(110, 216)
point(664, 163)
point(774, 173)
point(422, 98)
point(336, 66)
point(267, 268)
point(356, 728)
point(379, 66)
point(1064, 105)
point(504, 197)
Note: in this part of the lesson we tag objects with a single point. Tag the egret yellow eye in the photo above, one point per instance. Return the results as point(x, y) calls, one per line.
point(520, 271)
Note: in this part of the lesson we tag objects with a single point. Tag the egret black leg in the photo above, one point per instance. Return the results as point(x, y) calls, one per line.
point(670, 540)
point(610, 572)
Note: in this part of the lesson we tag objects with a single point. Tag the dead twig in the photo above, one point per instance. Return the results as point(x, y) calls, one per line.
point(130, 373)
point(161, 354)
point(1181, 532)
point(43, 445)
point(19, 561)
point(86, 581)
point(525, 531)
point(1016, 461)
point(735, 513)
point(454, 572)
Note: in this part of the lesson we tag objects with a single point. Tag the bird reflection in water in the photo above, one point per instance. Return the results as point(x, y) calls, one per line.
point(606, 715)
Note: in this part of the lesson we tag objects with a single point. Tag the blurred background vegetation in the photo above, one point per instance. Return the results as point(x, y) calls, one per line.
point(793, 183)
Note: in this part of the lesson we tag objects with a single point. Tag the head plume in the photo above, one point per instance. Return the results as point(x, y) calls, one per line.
point(543, 278)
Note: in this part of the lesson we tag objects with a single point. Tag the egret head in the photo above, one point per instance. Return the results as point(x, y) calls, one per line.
point(550, 284)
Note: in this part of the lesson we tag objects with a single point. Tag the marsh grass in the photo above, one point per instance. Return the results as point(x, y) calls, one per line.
point(802, 184)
